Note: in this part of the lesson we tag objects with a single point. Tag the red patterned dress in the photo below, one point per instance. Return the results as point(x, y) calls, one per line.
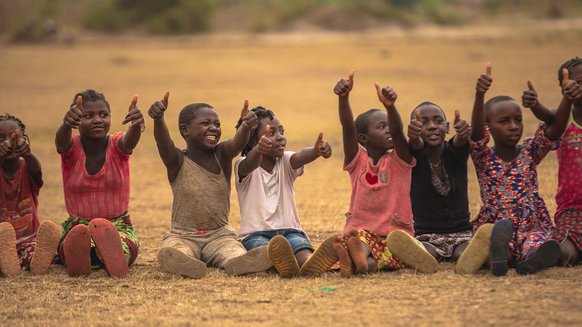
point(569, 196)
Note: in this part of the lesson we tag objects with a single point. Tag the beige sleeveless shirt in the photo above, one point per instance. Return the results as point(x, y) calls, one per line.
point(201, 199)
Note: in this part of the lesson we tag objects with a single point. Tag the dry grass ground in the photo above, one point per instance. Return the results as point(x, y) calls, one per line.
point(293, 75)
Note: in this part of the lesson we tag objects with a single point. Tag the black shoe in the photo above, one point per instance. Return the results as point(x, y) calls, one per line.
point(499, 249)
point(545, 256)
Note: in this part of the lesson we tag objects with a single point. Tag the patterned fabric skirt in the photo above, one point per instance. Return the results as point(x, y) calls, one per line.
point(129, 240)
point(25, 250)
point(445, 244)
point(378, 249)
point(531, 224)
point(569, 224)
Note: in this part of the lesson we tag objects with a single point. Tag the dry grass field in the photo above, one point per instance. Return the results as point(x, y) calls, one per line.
point(293, 75)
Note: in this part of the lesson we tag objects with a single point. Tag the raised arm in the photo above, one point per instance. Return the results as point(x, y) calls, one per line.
point(137, 125)
point(462, 131)
point(233, 146)
point(478, 115)
point(388, 97)
point(414, 132)
point(72, 119)
point(530, 100)
point(255, 156)
point(350, 135)
point(171, 156)
point(307, 155)
point(571, 90)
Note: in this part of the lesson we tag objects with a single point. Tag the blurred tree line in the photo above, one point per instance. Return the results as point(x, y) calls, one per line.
point(41, 20)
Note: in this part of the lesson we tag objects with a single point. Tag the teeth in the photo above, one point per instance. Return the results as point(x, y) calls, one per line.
point(211, 137)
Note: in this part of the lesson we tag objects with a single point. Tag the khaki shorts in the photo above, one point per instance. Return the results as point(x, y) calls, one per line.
point(214, 247)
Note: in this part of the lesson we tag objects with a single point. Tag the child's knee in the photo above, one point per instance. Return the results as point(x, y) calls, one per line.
point(568, 253)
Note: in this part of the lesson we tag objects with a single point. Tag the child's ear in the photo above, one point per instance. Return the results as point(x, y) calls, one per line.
point(183, 129)
point(362, 138)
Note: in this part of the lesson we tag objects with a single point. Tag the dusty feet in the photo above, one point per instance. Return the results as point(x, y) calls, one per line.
point(9, 263)
point(476, 253)
point(47, 240)
point(177, 262)
point(344, 258)
point(108, 246)
point(283, 258)
point(76, 247)
point(357, 252)
point(321, 260)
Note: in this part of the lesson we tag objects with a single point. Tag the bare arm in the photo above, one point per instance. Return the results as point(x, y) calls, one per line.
point(308, 155)
point(530, 100)
point(172, 157)
point(414, 131)
point(129, 141)
point(72, 119)
point(478, 115)
point(350, 137)
point(462, 131)
point(255, 156)
point(571, 90)
point(233, 146)
point(388, 97)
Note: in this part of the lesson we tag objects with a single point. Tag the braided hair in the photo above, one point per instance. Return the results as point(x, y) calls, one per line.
point(19, 122)
point(569, 65)
point(261, 113)
point(91, 96)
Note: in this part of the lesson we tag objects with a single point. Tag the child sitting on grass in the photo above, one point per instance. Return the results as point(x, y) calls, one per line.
point(508, 181)
point(200, 181)
point(95, 165)
point(378, 228)
point(568, 218)
point(25, 243)
point(440, 202)
point(265, 178)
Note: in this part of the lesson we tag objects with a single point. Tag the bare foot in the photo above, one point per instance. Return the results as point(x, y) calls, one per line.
point(344, 258)
point(357, 252)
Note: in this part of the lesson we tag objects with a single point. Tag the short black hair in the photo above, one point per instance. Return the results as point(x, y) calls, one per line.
point(19, 122)
point(363, 121)
point(261, 113)
point(90, 95)
point(190, 112)
point(427, 103)
point(569, 65)
point(493, 101)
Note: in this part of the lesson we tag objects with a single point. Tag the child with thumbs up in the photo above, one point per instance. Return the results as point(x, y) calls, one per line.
point(507, 176)
point(95, 166)
point(568, 217)
point(439, 190)
point(200, 179)
point(265, 179)
point(378, 230)
point(25, 242)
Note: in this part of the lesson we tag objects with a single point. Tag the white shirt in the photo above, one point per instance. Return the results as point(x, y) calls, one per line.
point(267, 199)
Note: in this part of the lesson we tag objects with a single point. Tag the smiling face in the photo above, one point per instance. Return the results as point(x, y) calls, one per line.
point(95, 120)
point(204, 130)
point(378, 136)
point(434, 123)
point(278, 139)
point(7, 127)
point(505, 122)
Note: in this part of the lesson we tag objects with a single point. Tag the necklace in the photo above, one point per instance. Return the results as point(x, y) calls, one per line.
point(436, 165)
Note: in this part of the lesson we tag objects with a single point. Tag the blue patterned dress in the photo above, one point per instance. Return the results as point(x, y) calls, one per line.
point(509, 190)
